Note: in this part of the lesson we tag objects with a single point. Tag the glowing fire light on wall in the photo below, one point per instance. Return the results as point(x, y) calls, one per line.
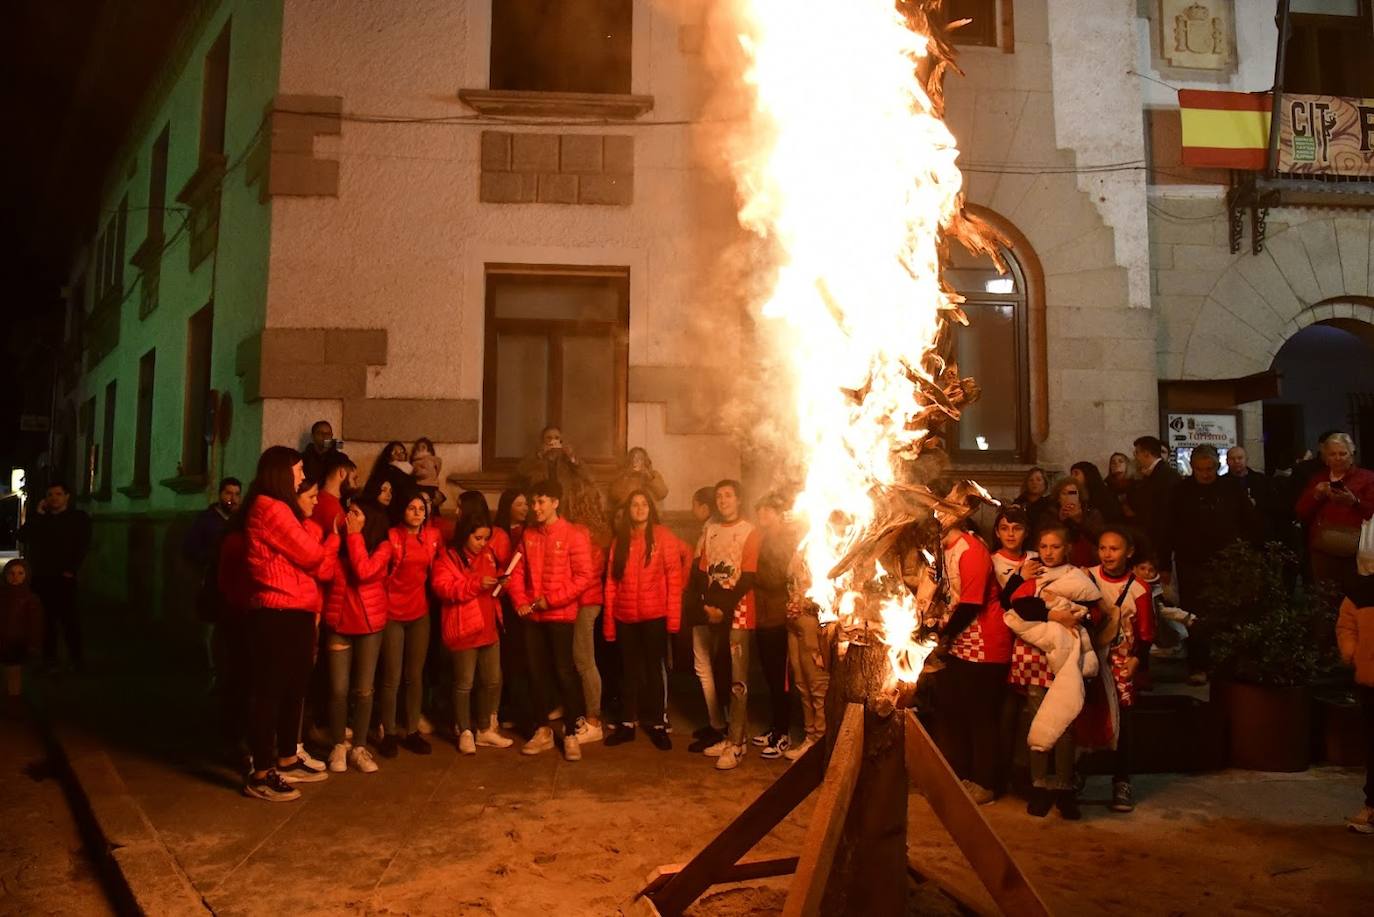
point(853, 177)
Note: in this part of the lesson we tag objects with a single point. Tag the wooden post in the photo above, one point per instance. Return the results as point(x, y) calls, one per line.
point(869, 869)
point(970, 831)
point(827, 820)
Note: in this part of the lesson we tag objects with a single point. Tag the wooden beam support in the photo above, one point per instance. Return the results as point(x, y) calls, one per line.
point(827, 821)
point(989, 857)
point(739, 837)
point(740, 872)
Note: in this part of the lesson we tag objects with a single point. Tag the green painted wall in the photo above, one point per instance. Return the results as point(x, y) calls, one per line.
point(135, 558)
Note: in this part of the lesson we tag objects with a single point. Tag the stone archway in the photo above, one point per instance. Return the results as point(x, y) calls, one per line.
point(1318, 271)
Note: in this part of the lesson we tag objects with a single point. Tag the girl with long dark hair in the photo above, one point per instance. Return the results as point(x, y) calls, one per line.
point(405, 642)
point(517, 705)
point(587, 511)
point(465, 576)
point(282, 559)
point(1095, 493)
point(356, 615)
point(643, 606)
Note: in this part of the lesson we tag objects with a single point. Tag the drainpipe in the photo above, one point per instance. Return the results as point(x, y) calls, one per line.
point(1272, 166)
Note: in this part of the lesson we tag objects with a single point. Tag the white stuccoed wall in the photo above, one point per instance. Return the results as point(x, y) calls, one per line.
point(404, 244)
point(1097, 114)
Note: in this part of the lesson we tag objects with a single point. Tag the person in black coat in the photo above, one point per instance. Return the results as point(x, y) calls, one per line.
point(1208, 514)
point(1151, 498)
point(1258, 487)
point(56, 539)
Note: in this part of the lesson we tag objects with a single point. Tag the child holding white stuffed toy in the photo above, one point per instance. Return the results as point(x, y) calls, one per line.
point(1048, 664)
point(1126, 632)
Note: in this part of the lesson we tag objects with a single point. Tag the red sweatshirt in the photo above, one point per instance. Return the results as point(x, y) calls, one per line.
point(283, 557)
point(469, 613)
point(1314, 512)
point(649, 591)
point(556, 566)
point(357, 597)
point(411, 558)
point(328, 512)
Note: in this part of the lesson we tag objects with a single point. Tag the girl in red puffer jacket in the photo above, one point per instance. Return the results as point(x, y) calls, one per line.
point(356, 615)
point(643, 606)
point(465, 575)
point(414, 545)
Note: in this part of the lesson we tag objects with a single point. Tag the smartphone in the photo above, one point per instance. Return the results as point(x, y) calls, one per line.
point(1338, 485)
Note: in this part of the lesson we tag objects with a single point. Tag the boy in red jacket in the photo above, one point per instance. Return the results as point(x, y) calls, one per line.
point(555, 568)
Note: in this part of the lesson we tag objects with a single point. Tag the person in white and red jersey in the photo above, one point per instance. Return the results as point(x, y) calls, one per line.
point(465, 576)
point(643, 606)
point(1128, 630)
point(282, 560)
point(546, 585)
point(727, 562)
point(975, 676)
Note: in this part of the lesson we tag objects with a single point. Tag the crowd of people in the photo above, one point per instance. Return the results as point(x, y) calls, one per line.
point(348, 614)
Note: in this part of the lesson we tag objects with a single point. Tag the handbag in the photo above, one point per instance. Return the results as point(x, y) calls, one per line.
point(1337, 540)
point(1364, 556)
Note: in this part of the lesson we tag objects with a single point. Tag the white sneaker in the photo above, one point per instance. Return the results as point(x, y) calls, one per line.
point(425, 727)
point(338, 758)
point(541, 741)
point(792, 754)
point(1362, 822)
point(732, 757)
point(490, 738)
point(556, 713)
point(572, 751)
point(718, 749)
point(314, 764)
point(762, 739)
point(587, 732)
point(361, 759)
point(465, 743)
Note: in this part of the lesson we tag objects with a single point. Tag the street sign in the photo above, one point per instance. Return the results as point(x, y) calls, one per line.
point(1184, 432)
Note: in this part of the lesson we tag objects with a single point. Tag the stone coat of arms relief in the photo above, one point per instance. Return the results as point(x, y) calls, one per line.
point(1196, 34)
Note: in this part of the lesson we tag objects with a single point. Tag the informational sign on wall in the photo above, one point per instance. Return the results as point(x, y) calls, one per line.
point(1184, 432)
point(1326, 135)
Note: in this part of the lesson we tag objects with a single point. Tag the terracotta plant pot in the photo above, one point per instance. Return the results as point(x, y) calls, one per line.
point(1270, 727)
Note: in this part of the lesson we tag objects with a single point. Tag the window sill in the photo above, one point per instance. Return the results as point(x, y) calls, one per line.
point(136, 491)
point(502, 478)
point(186, 483)
point(205, 178)
point(149, 253)
point(509, 102)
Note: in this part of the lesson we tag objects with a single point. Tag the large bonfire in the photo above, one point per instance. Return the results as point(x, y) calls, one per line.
point(848, 169)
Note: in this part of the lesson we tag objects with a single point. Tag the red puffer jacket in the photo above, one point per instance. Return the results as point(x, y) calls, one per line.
point(324, 573)
point(556, 566)
point(503, 545)
point(469, 613)
point(595, 594)
point(646, 592)
point(357, 597)
point(283, 557)
point(411, 558)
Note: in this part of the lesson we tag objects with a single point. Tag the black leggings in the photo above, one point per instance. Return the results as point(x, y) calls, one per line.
point(643, 647)
point(282, 643)
point(970, 716)
point(772, 645)
point(553, 671)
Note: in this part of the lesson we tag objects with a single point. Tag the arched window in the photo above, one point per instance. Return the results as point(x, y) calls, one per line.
point(995, 349)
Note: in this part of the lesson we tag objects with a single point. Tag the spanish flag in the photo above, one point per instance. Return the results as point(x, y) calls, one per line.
point(1225, 130)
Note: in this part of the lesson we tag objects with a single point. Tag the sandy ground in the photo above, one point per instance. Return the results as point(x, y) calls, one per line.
point(504, 834)
point(42, 867)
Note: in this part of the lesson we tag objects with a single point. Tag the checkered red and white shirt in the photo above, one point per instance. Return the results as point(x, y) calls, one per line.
point(969, 579)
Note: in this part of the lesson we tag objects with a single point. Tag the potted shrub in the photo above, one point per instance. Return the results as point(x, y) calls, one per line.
point(1270, 642)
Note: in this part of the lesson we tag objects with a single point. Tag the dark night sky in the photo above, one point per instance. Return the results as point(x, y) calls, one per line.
point(74, 72)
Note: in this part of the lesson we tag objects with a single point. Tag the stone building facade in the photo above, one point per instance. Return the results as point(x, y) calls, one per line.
point(389, 222)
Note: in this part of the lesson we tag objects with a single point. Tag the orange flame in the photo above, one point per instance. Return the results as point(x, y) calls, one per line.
point(852, 174)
